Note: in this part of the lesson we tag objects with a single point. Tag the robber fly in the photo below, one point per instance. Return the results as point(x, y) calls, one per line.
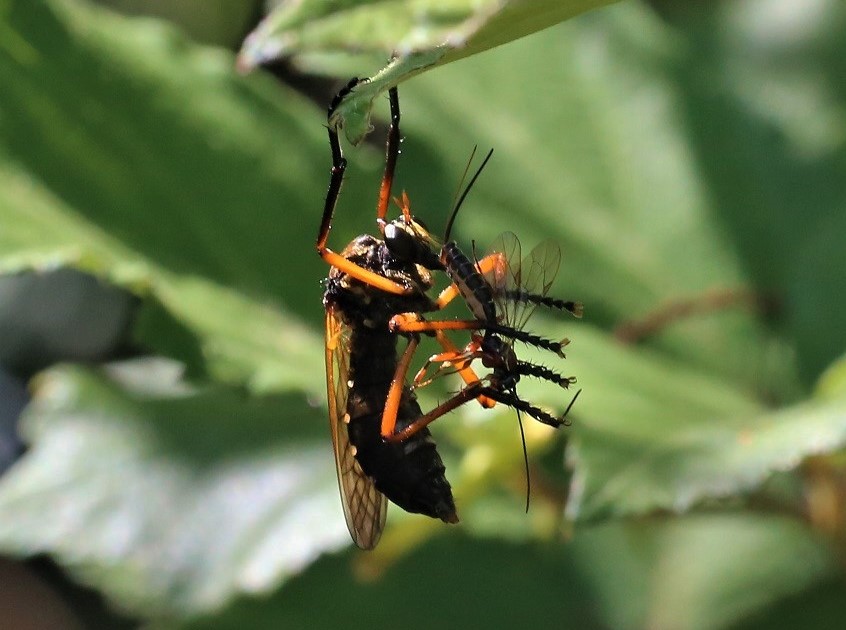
point(370, 281)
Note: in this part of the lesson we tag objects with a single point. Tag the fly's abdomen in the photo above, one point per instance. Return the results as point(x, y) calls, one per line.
point(410, 473)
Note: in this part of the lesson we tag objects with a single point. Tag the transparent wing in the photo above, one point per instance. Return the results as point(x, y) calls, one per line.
point(504, 276)
point(537, 273)
point(518, 284)
point(365, 508)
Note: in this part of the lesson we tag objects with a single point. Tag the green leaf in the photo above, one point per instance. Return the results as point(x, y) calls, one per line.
point(475, 594)
point(819, 607)
point(653, 574)
point(832, 383)
point(151, 163)
point(417, 35)
point(678, 161)
point(665, 452)
point(167, 499)
point(456, 28)
point(221, 22)
point(661, 573)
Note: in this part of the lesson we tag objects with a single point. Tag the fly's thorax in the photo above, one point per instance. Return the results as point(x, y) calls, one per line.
point(360, 301)
point(498, 353)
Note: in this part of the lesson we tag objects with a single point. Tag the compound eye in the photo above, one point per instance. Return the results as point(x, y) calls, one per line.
point(399, 242)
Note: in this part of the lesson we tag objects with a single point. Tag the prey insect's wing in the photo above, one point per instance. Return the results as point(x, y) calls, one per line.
point(365, 507)
point(538, 271)
point(518, 284)
point(504, 276)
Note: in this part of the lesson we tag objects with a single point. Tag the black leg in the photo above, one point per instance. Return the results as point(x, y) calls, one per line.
point(391, 154)
point(336, 178)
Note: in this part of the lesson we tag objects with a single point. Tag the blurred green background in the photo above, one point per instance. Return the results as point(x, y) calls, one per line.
point(161, 327)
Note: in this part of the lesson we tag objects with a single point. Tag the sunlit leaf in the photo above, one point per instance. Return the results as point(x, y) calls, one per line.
point(692, 177)
point(416, 35)
point(170, 500)
point(152, 164)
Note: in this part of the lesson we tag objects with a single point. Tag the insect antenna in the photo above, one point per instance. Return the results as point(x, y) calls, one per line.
point(570, 406)
point(525, 459)
point(466, 191)
point(459, 187)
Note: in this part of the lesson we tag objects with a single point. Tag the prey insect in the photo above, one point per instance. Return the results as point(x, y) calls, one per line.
point(502, 291)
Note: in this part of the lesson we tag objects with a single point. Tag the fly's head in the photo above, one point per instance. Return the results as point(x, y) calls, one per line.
point(409, 240)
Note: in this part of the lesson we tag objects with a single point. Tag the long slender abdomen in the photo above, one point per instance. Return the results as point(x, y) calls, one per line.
point(471, 284)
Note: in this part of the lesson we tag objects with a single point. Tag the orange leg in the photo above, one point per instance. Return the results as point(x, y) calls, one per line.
point(451, 357)
point(467, 394)
point(364, 275)
point(460, 360)
point(394, 398)
point(464, 396)
point(412, 323)
point(392, 402)
point(389, 415)
point(407, 322)
point(491, 262)
point(336, 179)
point(446, 296)
point(456, 360)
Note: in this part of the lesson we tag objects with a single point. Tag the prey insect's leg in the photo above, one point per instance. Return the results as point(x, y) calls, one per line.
point(392, 403)
point(412, 323)
point(451, 357)
point(461, 360)
point(467, 394)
